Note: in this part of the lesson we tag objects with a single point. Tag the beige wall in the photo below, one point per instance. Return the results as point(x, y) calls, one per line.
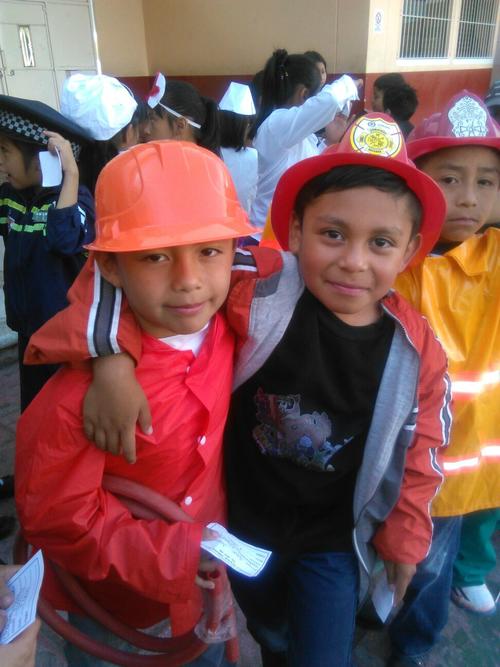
point(202, 37)
point(222, 37)
point(382, 46)
point(121, 37)
point(350, 37)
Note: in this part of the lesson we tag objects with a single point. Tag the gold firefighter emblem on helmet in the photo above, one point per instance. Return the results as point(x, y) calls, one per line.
point(376, 136)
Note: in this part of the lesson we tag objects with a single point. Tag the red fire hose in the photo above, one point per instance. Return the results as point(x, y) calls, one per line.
point(173, 652)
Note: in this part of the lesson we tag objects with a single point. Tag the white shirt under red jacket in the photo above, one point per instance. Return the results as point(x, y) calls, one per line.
point(140, 571)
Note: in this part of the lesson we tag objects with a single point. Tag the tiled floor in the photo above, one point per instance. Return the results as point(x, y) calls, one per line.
point(468, 641)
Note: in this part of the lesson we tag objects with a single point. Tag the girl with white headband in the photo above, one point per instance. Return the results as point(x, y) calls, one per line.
point(180, 112)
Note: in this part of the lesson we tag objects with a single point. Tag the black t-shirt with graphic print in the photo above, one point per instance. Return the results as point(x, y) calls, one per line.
point(296, 432)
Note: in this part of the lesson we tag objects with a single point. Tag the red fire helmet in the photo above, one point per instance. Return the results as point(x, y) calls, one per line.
point(373, 140)
point(465, 121)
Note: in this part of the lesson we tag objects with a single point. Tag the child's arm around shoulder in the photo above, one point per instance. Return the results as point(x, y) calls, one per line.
point(251, 265)
point(97, 323)
point(115, 401)
point(405, 536)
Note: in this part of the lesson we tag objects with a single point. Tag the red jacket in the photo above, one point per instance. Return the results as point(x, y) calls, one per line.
point(400, 473)
point(141, 571)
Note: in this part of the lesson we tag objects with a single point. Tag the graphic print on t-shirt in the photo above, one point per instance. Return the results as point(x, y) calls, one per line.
point(285, 432)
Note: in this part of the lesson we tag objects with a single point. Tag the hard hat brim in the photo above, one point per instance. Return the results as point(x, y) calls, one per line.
point(145, 240)
point(419, 147)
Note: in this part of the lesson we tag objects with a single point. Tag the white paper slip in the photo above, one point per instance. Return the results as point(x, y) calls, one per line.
point(383, 597)
point(25, 585)
point(239, 555)
point(51, 169)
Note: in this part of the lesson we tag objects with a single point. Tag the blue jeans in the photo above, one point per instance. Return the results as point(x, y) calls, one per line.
point(424, 614)
point(303, 607)
point(212, 657)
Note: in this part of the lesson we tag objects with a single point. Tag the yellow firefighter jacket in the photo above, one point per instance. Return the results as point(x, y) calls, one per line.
point(459, 294)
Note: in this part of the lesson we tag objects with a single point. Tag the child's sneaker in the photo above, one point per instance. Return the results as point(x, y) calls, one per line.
point(477, 599)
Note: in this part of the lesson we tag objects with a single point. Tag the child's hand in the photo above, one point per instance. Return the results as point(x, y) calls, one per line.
point(58, 144)
point(207, 562)
point(21, 651)
point(113, 405)
point(399, 576)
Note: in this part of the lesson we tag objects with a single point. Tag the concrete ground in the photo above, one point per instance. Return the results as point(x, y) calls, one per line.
point(468, 641)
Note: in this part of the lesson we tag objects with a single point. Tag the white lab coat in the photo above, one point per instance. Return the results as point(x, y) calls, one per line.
point(242, 165)
point(284, 138)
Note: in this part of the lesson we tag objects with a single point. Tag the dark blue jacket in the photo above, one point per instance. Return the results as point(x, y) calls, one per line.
point(43, 252)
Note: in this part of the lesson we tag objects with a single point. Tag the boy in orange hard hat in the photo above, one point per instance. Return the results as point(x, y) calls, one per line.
point(341, 400)
point(457, 288)
point(167, 220)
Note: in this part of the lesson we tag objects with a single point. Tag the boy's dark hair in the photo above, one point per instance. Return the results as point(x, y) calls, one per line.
point(389, 80)
point(27, 149)
point(315, 57)
point(282, 74)
point(233, 129)
point(401, 101)
point(186, 100)
point(359, 176)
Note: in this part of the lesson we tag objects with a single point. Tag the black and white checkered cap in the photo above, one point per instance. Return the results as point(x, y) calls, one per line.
point(27, 119)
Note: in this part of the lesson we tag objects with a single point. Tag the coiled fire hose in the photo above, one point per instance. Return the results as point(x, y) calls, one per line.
point(147, 504)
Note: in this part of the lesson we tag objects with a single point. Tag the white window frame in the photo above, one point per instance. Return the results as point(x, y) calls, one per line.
point(451, 58)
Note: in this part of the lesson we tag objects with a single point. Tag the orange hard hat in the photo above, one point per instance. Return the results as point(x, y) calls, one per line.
point(373, 140)
point(163, 194)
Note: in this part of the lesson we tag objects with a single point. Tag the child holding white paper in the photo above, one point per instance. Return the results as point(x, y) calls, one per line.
point(22, 650)
point(44, 228)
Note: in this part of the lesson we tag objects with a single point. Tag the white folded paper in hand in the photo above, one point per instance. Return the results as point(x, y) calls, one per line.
point(25, 585)
point(383, 597)
point(51, 168)
point(240, 556)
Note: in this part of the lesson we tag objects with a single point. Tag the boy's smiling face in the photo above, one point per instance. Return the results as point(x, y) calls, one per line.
point(351, 245)
point(469, 177)
point(175, 290)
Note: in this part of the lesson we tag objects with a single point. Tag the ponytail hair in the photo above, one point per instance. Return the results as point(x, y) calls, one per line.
point(183, 98)
point(209, 134)
point(282, 74)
